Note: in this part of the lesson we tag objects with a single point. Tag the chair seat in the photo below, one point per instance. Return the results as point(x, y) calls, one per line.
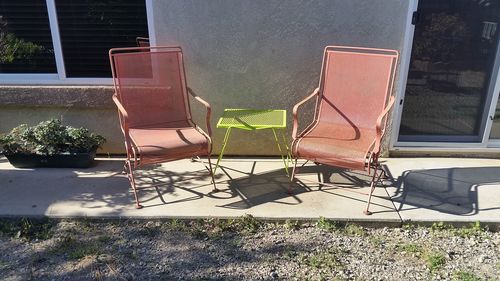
point(339, 145)
point(162, 143)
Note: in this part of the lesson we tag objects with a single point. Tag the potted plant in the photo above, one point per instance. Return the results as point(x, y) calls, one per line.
point(50, 144)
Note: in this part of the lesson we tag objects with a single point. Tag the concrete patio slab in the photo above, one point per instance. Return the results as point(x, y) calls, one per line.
point(446, 189)
point(418, 189)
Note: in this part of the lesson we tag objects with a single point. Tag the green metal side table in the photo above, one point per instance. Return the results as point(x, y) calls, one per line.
point(253, 119)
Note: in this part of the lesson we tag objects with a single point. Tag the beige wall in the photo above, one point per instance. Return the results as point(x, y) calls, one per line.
point(239, 54)
point(267, 53)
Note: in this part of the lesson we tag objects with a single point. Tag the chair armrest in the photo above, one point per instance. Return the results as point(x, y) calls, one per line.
point(295, 110)
point(207, 106)
point(120, 107)
point(380, 130)
point(124, 116)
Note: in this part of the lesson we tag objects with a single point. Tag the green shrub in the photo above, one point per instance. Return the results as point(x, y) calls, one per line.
point(48, 138)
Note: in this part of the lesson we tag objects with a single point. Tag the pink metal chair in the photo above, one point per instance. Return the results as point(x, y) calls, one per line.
point(352, 101)
point(151, 94)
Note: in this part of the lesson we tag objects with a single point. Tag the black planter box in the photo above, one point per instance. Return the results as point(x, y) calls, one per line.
point(70, 160)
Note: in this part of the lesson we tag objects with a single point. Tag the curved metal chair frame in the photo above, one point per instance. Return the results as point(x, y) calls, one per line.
point(151, 95)
point(352, 103)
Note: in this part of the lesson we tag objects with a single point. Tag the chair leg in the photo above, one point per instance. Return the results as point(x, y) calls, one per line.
point(130, 174)
point(292, 176)
point(372, 187)
point(124, 171)
point(212, 173)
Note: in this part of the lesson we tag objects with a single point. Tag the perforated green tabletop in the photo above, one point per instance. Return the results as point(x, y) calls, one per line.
point(255, 119)
point(252, 119)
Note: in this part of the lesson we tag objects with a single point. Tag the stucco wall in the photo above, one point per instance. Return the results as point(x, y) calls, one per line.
point(239, 54)
point(267, 53)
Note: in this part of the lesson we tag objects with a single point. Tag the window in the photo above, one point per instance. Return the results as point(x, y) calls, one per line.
point(25, 39)
point(56, 40)
point(89, 28)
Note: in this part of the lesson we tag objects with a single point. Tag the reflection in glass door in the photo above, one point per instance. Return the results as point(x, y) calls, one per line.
point(495, 127)
point(448, 88)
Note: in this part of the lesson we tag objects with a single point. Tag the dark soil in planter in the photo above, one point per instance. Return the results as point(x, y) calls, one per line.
point(70, 160)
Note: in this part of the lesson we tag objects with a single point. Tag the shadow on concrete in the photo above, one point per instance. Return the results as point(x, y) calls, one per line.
point(256, 189)
point(263, 188)
point(32, 192)
point(451, 190)
point(154, 183)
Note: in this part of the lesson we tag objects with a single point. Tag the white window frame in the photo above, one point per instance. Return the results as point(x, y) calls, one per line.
point(486, 144)
point(59, 78)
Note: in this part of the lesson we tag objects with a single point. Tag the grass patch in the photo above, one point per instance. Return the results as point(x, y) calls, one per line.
point(177, 225)
point(376, 241)
point(27, 228)
point(440, 226)
point(326, 224)
point(472, 230)
point(410, 248)
point(435, 260)
point(292, 225)
point(77, 249)
point(352, 229)
point(408, 226)
point(198, 229)
point(465, 276)
point(130, 254)
point(289, 253)
point(321, 260)
point(247, 224)
point(214, 228)
point(149, 231)
point(104, 239)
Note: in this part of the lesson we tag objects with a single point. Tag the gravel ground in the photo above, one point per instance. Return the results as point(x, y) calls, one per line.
point(243, 249)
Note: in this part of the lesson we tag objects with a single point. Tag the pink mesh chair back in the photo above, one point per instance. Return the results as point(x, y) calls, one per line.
point(355, 85)
point(354, 89)
point(151, 85)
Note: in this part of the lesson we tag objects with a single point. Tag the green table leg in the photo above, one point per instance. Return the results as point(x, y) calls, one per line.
point(285, 141)
point(224, 143)
point(285, 160)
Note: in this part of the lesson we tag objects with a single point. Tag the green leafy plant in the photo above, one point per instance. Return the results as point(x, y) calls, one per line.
point(48, 138)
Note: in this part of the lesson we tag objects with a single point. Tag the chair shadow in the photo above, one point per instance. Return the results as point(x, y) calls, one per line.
point(450, 190)
point(102, 186)
point(257, 189)
point(275, 186)
point(154, 182)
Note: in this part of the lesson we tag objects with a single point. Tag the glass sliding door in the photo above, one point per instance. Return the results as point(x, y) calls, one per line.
point(495, 127)
point(448, 91)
